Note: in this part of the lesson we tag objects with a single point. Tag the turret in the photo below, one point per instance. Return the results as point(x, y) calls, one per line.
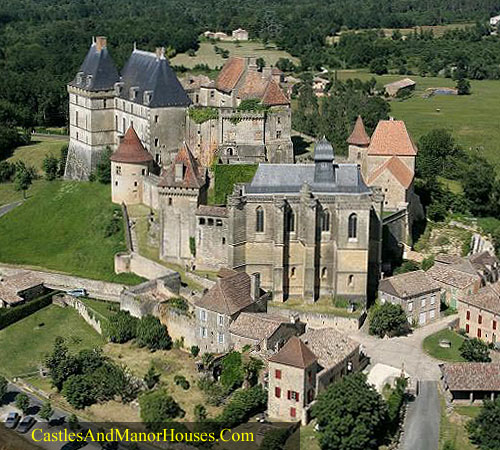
point(358, 145)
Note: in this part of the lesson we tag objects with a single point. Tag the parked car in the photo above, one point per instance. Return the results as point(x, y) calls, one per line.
point(26, 424)
point(75, 445)
point(12, 420)
point(80, 292)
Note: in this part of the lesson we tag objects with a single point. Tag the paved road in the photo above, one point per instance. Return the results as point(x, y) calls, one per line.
point(421, 429)
point(6, 208)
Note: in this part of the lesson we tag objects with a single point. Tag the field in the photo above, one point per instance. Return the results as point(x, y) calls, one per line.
point(24, 343)
point(431, 346)
point(206, 54)
point(34, 153)
point(8, 193)
point(472, 119)
point(63, 227)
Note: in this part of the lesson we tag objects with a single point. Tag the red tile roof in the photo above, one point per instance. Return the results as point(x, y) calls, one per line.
point(12, 286)
point(359, 135)
point(131, 150)
point(274, 96)
point(471, 376)
point(488, 297)
point(294, 353)
point(398, 168)
point(391, 138)
point(230, 74)
point(193, 177)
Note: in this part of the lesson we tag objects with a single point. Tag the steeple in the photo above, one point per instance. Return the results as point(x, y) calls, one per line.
point(359, 136)
point(324, 162)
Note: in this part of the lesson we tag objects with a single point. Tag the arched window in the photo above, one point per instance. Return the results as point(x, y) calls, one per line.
point(325, 220)
point(292, 272)
point(353, 226)
point(230, 151)
point(290, 220)
point(259, 216)
point(350, 280)
point(324, 273)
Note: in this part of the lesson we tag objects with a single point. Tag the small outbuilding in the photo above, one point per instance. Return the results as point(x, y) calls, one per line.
point(398, 87)
point(20, 288)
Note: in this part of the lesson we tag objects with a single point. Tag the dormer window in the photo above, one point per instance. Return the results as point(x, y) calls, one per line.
point(134, 91)
point(179, 172)
point(148, 95)
point(89, 80)
point(79, 77)
point(118, 88)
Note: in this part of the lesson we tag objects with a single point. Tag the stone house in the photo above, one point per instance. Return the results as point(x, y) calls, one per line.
point(479, 313)
point(469, 382)
point(103, 104)
point(304, 367)
point(20, 288)
point(484, 264)
point(219, 307)
point(455, 283)
point(240, 35)
point(418, 294)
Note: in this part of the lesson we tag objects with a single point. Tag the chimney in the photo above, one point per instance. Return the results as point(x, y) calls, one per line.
point(267, 72)
point(255, 286)
point(294, 318)
point(101, 42)
point(160, 53)
point(252, 63)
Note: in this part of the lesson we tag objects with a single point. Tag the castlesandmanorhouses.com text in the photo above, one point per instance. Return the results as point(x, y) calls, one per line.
point(125, 435)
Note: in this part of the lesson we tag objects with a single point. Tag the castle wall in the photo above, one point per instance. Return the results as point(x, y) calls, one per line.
point(150, 195)
point(203, 139)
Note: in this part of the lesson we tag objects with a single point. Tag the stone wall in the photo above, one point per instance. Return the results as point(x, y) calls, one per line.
point(179, 325)
point(81, 308)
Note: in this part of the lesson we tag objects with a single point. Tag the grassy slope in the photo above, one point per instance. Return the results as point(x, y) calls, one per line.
point(227, 175)
point(24, 344)
point(8, 193)
point(206, 54)
point(61, 228)
point(431, 346)
point(472, 119)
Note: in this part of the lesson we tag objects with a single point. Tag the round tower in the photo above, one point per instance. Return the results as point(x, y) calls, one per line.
point(358, 145)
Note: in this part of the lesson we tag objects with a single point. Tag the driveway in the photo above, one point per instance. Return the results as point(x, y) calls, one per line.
point(421, 428)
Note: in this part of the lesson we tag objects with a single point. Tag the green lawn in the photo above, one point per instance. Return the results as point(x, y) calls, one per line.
point(34, 153)
point(472, 119)
point(8, 193)
point(62, 227)
point(24, 344)
point(452, 428)
point(101, 308)
point(431, 346)
point(226, 175)
point(206, 54)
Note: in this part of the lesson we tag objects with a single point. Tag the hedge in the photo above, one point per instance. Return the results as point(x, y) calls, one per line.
point(8, 316)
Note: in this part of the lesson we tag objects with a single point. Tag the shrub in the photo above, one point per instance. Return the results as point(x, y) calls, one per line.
point(157, 407)
point(243, 405)
point(200, 115)
point(50, 166)
point(7, 171)
point(475, 350)
point(22, 402)
point(121, 327)
point(151, 378)
point(195, 350)
point(9, 316)
point(232, 375)
point(152, 334)
point(388, 319)
point(3, 387)
point(200, 413)
point(180, 380)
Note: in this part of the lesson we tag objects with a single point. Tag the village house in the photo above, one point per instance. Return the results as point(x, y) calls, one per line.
point(469, 382)
point(20, 288)
point(417, 293)
point(479, 313)
point(304, 367)
point(240, 34)
point(484, 264)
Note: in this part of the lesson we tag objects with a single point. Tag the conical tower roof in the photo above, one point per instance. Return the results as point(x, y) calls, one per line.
point(359, 135)
point(131, 150)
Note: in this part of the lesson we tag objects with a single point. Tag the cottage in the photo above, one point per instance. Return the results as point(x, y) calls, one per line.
point(20, 288)
point(417, 293)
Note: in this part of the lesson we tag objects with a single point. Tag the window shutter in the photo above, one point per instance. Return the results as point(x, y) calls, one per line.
point(297, 396)
point(277, 392)
point(289, 395)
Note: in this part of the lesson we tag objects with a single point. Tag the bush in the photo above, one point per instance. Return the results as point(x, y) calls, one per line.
point(121, 327)
point(475, 350)
point(215, 394)
point(200, 413)
point(50, 166)
point(151, 378)
point(8, 316)
point(79, 391)
point(103, 169)
point(7, 171)
point(180, 380)
point(243, 405)
point(232, 375)
point(3, 388)
point(200, 115)
point(152, 334)
point(157, 407)
point(195, 350)
point(388, 319)
point(22, 402)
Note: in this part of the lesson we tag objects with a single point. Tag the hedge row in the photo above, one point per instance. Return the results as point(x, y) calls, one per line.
point(8, 316)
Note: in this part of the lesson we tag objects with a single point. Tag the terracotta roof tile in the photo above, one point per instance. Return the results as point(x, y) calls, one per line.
point(398, 168)
point(12, 286)
point(488, 297)
point(446, 274)
point(253, 85)
point(193, 177)
point(274, 96)
point(256, 326)
point(131, 150)
point(230, 74)
point(294, 353)
point(359, 135)
point(392, 138)
point(409, 284)
point(471, 376)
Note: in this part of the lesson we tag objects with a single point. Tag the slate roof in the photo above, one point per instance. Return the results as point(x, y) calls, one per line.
point(13, 285)
point(230, 294)
point(193, 178)
point(329, 345)
point(294, 353)
point(398, 168)
point(488, 297)
point(445, 273)
point(99, 65)
point(214, 211)
point(409, 284)
point(470, 376)
point(131, 150)
point(256, 326)
point(359, 135)
point(151, 72)
point(391, 138)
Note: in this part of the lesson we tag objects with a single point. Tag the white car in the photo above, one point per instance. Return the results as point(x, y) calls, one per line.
point(77, 292)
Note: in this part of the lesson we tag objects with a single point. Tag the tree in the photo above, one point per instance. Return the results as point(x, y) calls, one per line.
point(475, 350)
point(463, 86)
point(388, 319)
point(436, 151)
point(79, 391)
point(244, 404)
point(62, 160)
point(378, 66)
point(121, 327)
point(151, 378)
point(275, 439)
point(251, 368)
point(50, 166)
point(46, 412)
point(152, 334)
point(7, 171)
point(480, 188)
point(24, 177)
point(158, 407)
point(200, 413)
point(232, 375)
point(195, 351)
point(3, 388)
point(103, 169)
point(351, 415)
point(23, 402)
point(407, 266)
point(484, 429)
point(261, 63)
point(61, 364)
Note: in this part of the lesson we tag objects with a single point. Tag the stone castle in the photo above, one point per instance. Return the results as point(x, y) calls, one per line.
point(309, 230)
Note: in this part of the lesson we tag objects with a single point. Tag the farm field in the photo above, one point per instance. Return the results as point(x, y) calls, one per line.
point(206, 54)
point(472, 119)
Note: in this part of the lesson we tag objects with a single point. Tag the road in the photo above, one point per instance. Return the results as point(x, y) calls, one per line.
point(6, 208)
point(421, 428)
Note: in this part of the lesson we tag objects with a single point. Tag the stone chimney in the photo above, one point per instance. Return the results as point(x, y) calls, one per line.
point(101, 42)
point(252, 63)
point(255, 286)
point(160, 53)
point(267, 72)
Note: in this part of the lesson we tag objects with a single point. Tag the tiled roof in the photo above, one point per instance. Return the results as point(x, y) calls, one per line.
point(193, 82)
point(329, 345)
point(214, 211)
point(230, 74)
point(294, 353)
point(398, 168)
point(12, 285)
point(445, 273)
point(256, 326)
point(470, 376)
point(483, 258)
point(230, 295)
point(405, 82)
point(193, 177)
point(447, 259)
point(131, 150)
point(408, 284)
point(488, 297)
point(359, 135)
point(274, 96)
point(391, 138)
